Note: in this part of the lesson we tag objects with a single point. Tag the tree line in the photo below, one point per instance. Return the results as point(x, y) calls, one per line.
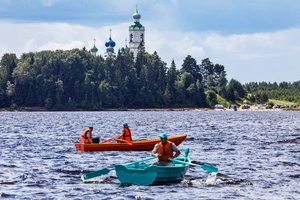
point(262, 91)
point(75, 79)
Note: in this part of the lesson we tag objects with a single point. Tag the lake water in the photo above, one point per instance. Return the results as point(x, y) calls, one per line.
point(257, 153)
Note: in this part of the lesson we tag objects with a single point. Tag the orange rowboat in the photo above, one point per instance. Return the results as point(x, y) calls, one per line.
point(137, 145)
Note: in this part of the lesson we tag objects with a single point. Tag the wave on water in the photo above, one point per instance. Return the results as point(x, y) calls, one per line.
point(5, 195)
point(69, 171)
point(292, 140)
point(8, 182)
point(39, 160)
point(7, 165)
point(104, 180)
point(214, 179)
point(296, 176)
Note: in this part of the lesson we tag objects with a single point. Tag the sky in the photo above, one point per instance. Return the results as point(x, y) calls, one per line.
point(257, 40)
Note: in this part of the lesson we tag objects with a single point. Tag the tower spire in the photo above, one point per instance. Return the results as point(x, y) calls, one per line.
point(94, 49)
point(110, 44)
point(136, 34)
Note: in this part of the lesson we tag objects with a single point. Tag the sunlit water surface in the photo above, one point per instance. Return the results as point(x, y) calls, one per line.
point(257, 154)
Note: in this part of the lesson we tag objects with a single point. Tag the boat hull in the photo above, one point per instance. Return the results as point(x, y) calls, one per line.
point(170, 174)
point(137, 145)
point(148, 174)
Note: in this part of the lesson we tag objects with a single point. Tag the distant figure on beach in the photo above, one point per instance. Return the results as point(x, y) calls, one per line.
point(164, 150)
point(126, 133)
point(87, 136)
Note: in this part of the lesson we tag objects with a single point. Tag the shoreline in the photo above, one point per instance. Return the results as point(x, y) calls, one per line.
point(41, 109)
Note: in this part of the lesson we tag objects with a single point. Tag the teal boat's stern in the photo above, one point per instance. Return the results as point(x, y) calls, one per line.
point(168, 174)
point(138, 176)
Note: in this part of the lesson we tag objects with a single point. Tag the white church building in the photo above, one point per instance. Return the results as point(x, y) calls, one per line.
point(136, 39)
point(136, 34)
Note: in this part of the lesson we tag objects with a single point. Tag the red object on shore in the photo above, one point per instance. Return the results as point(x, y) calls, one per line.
point(137, 145)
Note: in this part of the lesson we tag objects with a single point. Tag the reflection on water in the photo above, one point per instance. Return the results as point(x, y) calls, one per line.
point(257, 154)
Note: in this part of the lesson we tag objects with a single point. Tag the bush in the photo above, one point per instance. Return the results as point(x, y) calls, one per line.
point(48, 103)
point(13, 106)
point(211, 98)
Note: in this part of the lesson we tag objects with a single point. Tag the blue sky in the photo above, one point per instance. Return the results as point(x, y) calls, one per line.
point(255, 40)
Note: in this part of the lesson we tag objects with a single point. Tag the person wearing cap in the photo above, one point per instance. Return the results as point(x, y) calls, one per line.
point(164, 150)
point(87, 136)
point(126, 133)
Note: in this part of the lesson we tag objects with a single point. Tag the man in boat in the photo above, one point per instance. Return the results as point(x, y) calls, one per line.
point(87, 137)
point(126, 133)
point(164, 150)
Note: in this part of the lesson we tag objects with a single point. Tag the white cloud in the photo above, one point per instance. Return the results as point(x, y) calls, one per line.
point(30, 44)
point(55, 45)
point(21, 38)
point(272, 56)
point(49, 3)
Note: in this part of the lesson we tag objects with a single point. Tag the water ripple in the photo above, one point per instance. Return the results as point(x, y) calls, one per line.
point(257, 154)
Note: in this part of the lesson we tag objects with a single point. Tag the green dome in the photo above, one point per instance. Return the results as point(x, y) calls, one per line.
point(136, 25)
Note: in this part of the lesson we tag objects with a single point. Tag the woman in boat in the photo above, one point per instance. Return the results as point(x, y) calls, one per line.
point(164, 150)
point(126, 133)
point(87, 137)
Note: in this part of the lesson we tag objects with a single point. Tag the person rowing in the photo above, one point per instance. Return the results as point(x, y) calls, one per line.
point(87, 136)
point(164, 150)
point(126, 133)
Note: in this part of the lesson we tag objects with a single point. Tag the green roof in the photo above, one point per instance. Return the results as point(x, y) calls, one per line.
point(136, 25)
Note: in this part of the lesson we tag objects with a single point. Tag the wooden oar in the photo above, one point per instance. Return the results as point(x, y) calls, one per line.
point(201, 163)
point(206, 167)
point(110, 139)
point(117, 139)
point(120, 140)
point(104, 171)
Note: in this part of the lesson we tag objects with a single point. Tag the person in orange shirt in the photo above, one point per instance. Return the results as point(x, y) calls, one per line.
point(87, 136)
point(126, 133)
point(164, 150)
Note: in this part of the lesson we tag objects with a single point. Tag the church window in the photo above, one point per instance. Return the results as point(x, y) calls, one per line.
point(131, 38)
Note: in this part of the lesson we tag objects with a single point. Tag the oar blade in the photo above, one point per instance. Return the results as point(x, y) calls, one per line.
point(95, 174)
point(209, 168)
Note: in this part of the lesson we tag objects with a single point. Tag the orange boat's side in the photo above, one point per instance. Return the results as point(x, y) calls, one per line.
point(137, 145)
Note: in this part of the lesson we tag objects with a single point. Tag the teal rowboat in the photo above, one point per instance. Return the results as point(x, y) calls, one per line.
point(148, 174)
point(140, 173)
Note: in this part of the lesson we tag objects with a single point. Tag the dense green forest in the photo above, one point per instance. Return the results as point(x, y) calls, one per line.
point(75, 79)
point(283, 91)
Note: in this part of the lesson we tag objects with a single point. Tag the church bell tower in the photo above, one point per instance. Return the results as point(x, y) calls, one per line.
point(136, 34)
